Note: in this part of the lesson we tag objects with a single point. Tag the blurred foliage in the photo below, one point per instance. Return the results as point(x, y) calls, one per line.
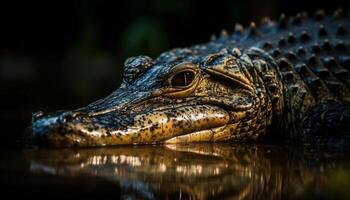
point(144, 35)
point(337, 187)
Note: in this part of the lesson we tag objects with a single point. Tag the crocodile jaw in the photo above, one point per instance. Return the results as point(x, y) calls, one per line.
point(151, 127)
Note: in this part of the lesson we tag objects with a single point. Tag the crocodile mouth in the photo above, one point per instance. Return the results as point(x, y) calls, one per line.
point(67, 129)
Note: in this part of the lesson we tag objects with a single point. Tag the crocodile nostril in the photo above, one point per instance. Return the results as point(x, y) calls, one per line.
point(71, 115)
point(77, 114)
point(36, 115)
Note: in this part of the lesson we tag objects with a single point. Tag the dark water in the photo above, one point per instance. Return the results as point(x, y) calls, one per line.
point(196, 171)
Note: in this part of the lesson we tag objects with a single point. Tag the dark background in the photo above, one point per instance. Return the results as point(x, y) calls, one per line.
point(66, 54)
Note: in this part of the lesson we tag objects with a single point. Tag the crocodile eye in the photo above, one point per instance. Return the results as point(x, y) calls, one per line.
point(182, 79)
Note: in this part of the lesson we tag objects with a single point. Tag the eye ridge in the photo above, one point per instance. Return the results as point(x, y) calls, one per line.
point(182, 79)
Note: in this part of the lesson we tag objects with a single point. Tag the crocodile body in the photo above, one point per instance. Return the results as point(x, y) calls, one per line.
point(288, 77)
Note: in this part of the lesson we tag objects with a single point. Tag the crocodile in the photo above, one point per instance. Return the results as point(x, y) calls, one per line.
point(282, 79)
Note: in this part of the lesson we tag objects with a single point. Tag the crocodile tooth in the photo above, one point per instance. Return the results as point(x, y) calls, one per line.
point(322, 31)
point(320, 14)
point(282, 23)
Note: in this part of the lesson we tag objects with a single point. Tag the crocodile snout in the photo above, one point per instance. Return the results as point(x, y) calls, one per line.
point(44, 127)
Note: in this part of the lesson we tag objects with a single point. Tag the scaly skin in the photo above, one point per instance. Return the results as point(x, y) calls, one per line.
point(277, 78)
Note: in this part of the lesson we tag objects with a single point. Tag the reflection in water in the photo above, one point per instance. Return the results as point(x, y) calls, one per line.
point(196, 171)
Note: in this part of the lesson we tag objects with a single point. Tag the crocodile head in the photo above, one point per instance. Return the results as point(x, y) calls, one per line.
point(182, 96)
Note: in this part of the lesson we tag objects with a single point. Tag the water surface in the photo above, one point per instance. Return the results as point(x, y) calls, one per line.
point(196, 171)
